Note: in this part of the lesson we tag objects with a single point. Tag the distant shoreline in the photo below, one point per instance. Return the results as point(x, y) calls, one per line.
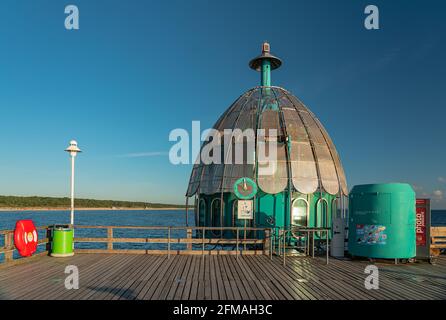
point(89, 209)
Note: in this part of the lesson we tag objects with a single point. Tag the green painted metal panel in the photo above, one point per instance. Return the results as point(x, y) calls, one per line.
point(382, 221)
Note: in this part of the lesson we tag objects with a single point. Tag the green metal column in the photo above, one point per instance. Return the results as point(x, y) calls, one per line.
point(266, 73)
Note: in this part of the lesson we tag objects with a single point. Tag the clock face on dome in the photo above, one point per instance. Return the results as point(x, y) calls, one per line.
point(245, 188)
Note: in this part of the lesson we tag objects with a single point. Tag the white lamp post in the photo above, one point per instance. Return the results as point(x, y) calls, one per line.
point(73, 149)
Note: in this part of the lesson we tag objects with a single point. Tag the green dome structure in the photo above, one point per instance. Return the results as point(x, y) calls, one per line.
point(308, 186)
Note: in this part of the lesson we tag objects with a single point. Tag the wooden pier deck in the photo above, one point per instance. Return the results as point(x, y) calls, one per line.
point(130, 276)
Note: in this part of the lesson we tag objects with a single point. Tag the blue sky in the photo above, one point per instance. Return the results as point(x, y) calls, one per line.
point(135, 70)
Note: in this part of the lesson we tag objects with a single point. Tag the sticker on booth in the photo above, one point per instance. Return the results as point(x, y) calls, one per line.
point(370, 234)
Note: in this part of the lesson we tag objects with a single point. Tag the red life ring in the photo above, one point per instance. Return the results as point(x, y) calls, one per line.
point(25, 237)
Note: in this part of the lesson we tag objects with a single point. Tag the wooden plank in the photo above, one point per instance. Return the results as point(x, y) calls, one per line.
point(148, 275)
point(125, 286)
point(168, 280)
point(121, 284)
point(225, 279)
point(178, 279)
point(235, 275)
point(149, 280)
point(102, 283)
point(323, 277)
point(53, 283)
point(184, 276)
point(232, 281)
point(279, 284)
point(200, 287)
point(253, 288)
point(213, 278)
point(187, 286)
point(207, 282)
point(156, 285)
point(395, 285)
point(218, 277)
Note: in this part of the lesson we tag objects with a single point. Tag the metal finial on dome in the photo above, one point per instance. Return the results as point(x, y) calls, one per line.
point(256, 63)
point(265, 63)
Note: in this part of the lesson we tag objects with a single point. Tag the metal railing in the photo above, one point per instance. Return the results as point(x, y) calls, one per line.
point(299, 238)
point(253, 246)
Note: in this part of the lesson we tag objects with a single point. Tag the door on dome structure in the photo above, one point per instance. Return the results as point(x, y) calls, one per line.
point(299, 214)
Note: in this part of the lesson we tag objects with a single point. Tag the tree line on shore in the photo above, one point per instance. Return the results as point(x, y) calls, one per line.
point(52, 202)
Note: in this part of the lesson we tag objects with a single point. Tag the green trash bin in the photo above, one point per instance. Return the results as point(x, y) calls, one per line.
point(62, 241)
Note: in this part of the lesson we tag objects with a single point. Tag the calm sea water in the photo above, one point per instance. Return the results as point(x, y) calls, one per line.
point(98, 218)
point(438, 218)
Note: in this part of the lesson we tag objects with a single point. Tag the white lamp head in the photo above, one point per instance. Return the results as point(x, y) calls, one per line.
point(73, 149)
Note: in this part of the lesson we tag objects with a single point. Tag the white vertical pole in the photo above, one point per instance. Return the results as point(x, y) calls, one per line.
point(72, 189)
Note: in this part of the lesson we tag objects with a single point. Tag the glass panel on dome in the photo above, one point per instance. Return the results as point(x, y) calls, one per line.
point(314, 133)
point(305, 178)
point(339, 168)
point(324, 158)
point(236, 171)
point(204, 184)
point(239, 155)
point(297, 103)
point(216, 174)
point(232, 114)
point(272, 175)
point(212, 175)
point(194, 181)
point(303, 167)
point(327, 170)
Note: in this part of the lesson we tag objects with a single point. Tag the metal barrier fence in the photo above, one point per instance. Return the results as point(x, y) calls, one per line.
point(307, 239)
